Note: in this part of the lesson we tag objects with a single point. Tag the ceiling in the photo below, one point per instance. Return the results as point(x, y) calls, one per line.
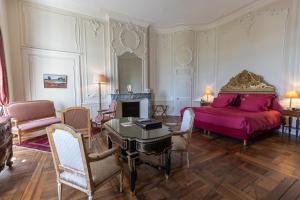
point(169, 13)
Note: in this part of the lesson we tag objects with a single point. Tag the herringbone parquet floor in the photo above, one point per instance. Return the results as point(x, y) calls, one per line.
point(220, 169)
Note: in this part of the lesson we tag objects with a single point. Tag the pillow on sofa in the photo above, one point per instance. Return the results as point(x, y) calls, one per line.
point(224, 100)
point(256, 103)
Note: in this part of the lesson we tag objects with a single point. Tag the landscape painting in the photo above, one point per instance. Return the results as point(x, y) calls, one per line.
point(55, 81)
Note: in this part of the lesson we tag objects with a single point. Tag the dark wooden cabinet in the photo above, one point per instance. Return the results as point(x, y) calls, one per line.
point(5, 143)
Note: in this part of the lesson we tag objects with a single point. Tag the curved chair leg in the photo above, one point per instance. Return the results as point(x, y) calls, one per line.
point(90, 141)
point(59, 190)
point(90, 197)
point(121, 181)
point(188, 159)
point(245, 143)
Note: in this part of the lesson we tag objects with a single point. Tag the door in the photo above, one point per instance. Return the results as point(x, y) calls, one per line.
point(182, 89)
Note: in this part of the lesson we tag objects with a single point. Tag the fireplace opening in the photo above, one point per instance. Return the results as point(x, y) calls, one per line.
point(131, 109)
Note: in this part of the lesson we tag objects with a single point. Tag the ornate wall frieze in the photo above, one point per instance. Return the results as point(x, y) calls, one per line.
point(96, 26)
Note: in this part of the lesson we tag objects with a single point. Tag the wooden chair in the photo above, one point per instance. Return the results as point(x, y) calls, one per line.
point(79, 118)
point(77, 169)
point(181, 139)
point(106, 115)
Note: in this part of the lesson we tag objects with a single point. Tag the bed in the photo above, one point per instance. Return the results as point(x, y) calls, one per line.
point(246, 107)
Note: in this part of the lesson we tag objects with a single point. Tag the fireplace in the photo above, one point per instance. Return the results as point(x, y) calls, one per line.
point(135, 105)
point(131, 109)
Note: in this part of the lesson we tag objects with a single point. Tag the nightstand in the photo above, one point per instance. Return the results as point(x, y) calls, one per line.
point(203, 103)
point(290, 114)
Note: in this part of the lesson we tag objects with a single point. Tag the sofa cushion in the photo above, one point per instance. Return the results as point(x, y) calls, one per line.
point(39, 123)
point(30, 110)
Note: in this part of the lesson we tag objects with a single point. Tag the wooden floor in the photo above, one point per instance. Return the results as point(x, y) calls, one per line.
point(220, 169)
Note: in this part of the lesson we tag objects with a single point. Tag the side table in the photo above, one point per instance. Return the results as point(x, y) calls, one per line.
point(160, 108)
point(290, 114)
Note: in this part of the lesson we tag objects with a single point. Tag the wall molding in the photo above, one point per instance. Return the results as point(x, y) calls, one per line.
point(128, 37)
point(28, 55)
point(24, 43)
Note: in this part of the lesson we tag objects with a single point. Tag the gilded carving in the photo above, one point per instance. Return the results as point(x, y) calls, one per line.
point(246, 82)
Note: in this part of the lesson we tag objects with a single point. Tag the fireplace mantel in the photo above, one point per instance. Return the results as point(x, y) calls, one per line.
point(133, 96)
point(143, 98)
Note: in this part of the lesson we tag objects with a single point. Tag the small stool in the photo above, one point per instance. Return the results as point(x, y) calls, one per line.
point(160, 108)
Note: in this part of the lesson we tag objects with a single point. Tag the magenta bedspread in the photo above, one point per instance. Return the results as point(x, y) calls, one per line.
point(230, 117)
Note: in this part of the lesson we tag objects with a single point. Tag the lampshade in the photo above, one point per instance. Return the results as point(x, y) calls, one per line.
point(292, 94)
point(208, 91)
point(101, 79)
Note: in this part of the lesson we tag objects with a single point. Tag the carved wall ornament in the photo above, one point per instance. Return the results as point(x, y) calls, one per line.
point(248, 82)
point(96, 26)
point(129, 39)
point(184, 56)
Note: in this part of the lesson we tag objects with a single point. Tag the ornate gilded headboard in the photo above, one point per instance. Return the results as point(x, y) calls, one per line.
point(248, 82)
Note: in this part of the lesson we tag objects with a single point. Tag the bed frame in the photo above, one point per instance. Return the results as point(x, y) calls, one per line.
point(244, 83)
point(248, 82)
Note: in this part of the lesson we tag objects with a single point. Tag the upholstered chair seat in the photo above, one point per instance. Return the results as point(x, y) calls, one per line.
point(178, 143)
point(181, 138)
point(108, 167)
point(36, 124)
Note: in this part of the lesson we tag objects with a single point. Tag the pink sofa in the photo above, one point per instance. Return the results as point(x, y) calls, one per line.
point(31, 116)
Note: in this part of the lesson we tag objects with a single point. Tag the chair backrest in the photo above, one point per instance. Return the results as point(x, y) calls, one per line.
point(68, 152)
point(187, 123)
point(113, 108)
point(77, 117)
point(30, 110)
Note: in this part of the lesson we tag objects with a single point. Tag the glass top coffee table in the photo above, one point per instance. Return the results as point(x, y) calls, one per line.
point(134, 140)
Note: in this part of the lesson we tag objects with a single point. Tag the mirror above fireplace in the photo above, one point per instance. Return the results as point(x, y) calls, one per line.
point(130, 72)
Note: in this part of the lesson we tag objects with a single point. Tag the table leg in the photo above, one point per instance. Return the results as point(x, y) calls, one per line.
point(164, 112)
point(167, 163)
point(283, 125)
point(154, 111)
point(290, 125)
point(297, 127)
point(132, 170)
point(109, 142)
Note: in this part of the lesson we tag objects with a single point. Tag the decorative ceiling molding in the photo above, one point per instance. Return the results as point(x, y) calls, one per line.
point(248, 21)
point(223, 20)
point(105, 14)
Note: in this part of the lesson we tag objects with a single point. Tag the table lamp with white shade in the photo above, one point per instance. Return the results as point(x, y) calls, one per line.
point(206, 98)
point(292, 95)
point(208, 94)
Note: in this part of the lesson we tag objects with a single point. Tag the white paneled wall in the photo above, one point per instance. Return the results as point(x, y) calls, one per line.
point(256, 41)
point(181, 64)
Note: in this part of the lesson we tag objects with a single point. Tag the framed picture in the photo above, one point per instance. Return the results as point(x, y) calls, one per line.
point(55, 81)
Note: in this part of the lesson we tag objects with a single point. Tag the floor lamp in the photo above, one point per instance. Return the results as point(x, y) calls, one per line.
point(101, 80)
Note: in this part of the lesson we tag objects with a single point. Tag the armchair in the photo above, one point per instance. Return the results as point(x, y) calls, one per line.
point(181, 138)
point(106, 115)
point(78, 118)
point(75, 168)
